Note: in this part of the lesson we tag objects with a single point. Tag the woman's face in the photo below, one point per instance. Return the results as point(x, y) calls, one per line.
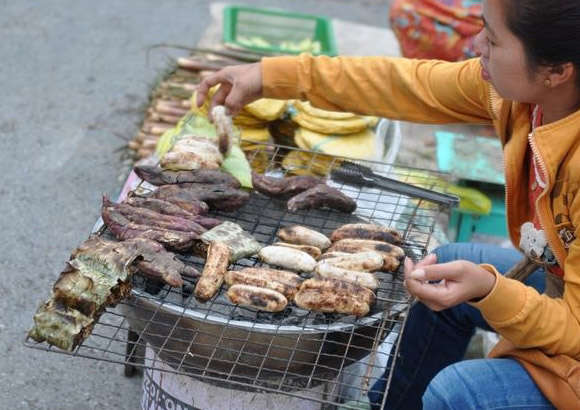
point(503, 58)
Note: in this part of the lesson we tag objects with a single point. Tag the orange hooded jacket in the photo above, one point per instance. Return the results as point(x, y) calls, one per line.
point(542, 333)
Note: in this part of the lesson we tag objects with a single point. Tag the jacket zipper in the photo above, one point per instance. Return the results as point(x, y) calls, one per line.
point(546, 176)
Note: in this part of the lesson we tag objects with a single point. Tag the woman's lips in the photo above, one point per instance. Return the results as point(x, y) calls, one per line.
point(485, 74)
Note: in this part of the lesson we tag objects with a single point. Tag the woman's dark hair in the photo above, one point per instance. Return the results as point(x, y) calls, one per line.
point(548, 29)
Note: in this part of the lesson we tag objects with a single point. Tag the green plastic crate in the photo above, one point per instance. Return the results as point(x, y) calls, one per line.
point(278, 31)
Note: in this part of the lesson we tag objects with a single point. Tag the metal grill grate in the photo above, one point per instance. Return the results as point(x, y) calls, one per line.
point(290, 352)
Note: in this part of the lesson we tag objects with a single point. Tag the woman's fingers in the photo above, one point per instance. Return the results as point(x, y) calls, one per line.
point(435, 295)
point(239, 85)
point(430, 259)
point(435, 273)
point(209, 82)
point(219, 98)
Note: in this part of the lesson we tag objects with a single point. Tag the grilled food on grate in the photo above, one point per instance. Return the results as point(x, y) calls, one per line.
point(180, 197)
point(158, 176)
point(301, 235)
point(392, 254)
point(218, 197)
point(258, 298)
point(287, 258)
point(157, 263)
point(334, 296)
point(167, 208)
point(191, 153)
point(124, 229)
point(322, 196)
point(310, 250)
point(144, 216)
point(326, 271)
point(96, 276)
point(367, 231)
point(283, 187)
point(216, 266)
point(240, 242)
point(159, 205)
point(369, 261)
point(286, 283)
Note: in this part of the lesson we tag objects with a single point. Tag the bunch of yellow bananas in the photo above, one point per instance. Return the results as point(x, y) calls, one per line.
point(336, 133)
point(329, 122)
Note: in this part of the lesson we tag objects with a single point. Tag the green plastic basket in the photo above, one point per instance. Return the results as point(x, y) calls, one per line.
point(278, 31)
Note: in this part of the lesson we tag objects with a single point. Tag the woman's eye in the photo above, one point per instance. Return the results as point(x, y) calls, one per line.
point(490, 41)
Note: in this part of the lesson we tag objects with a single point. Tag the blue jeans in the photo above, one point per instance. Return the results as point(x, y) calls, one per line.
point(429, 370)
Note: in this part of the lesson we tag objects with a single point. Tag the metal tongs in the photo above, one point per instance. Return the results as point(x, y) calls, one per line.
point(361, 175)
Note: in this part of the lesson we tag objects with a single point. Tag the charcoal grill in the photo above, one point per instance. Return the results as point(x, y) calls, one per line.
point(287, 352)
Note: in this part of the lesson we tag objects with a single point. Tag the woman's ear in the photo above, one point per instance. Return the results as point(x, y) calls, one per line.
point(560, 74)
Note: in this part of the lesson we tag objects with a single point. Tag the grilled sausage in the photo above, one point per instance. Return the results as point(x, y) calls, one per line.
point(331, 296)
point(300, 235)
point(284, 282)
point(257, 298)
point(216, 266)
point(392, 254)
point(362, 262)
point(366, 279)
point(367, 231)
point(288, 258)
point(310, 250)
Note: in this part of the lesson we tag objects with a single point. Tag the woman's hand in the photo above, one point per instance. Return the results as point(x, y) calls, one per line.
point(444, 285)
point(239, 85)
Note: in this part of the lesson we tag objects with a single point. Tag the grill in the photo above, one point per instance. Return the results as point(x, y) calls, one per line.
point(288, 352)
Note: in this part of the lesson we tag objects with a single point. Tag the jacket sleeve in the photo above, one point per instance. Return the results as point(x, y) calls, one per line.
point(530, 320)
point(427, 91)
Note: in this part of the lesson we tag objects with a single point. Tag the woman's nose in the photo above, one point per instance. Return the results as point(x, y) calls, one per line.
point(480, 44)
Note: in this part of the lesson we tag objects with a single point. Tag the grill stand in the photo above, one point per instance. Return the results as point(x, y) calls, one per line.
point(165, 390)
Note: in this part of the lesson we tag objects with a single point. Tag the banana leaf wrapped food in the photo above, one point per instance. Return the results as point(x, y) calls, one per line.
point(240, 242)
point(60, 325)
point(96, 276)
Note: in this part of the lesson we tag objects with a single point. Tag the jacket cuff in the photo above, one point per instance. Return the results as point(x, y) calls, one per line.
point(505, 301)
point(280, 77)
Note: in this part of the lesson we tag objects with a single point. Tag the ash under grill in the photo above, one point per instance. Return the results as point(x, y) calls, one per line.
point(283, 352)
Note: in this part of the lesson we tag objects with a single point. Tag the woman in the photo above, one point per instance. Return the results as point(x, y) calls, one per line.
point(527, 84)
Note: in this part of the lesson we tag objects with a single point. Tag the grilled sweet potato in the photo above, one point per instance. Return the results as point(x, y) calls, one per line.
point(322, 196)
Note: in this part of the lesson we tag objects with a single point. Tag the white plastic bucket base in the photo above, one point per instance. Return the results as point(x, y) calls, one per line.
point(163, 390)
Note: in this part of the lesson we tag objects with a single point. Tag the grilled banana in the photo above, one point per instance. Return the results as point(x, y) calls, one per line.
point(331, 255)
point(310, 250)
point(367, 231)
point(286, 283)
point(257, 298)
point(216, 266)
point(366, 279)
point(288, 258)
point(392, 254)
point(300, 235)
point(340, 287)
point(331, 296)
point(369, 261)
